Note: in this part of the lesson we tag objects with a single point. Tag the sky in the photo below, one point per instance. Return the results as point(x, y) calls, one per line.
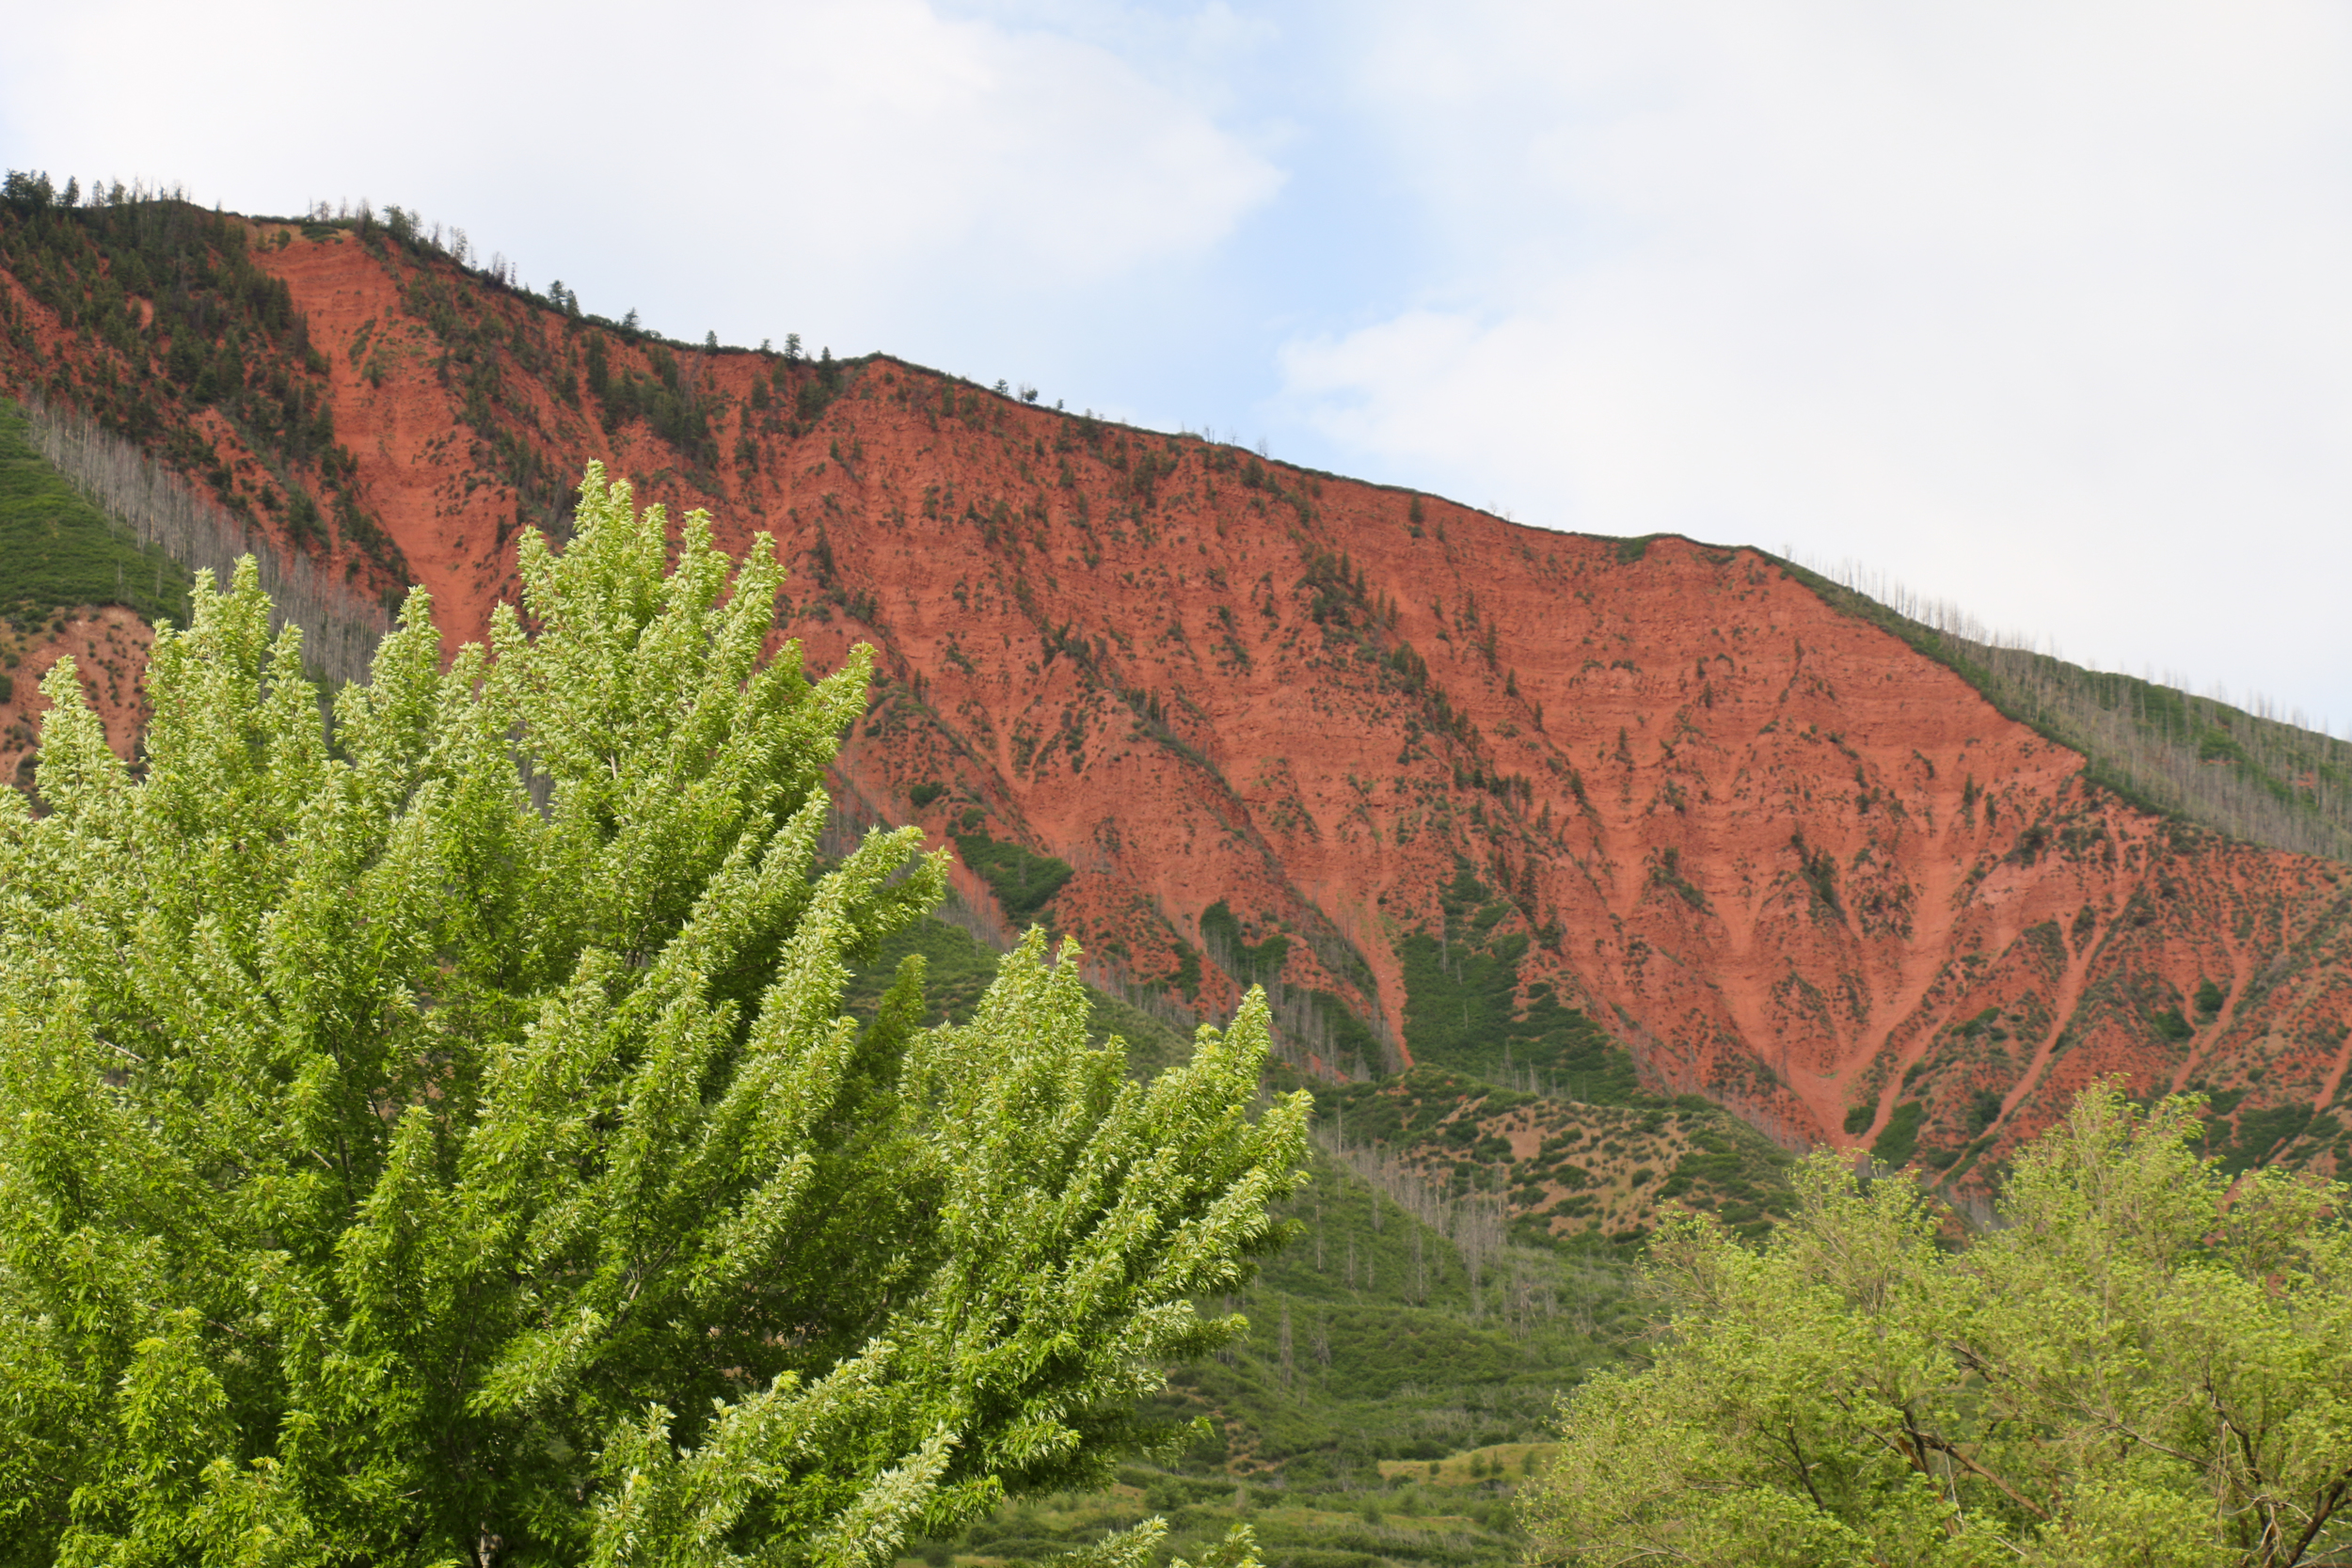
point(2042, 308)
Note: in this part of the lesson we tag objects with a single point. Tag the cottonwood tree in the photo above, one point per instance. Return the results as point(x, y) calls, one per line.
point(437, 1138)
point(2139, 1366)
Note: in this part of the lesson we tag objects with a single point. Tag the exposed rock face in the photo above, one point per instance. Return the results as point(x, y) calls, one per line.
point(1381, 747)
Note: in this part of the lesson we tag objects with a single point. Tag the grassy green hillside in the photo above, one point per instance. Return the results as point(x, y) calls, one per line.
point(1463, 1253)
point(57, 551)
point(1381, 1409)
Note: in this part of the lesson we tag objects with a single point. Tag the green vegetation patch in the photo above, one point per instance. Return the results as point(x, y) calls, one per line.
point(2261, 1135)
point(1459, 1137)
point(1377, 1336)
point(1463, 1011)
point(1900, 1138)
point(1249, 964)
point(1459, 1521)
point(57, 551)
point(1743, 1175)
point(1024, 881)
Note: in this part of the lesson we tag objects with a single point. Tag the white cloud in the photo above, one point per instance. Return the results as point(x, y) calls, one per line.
point(729, 164)
point(2041, 307)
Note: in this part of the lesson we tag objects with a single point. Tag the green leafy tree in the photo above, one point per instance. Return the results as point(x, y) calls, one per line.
point(435, 1138)
point(2138, 1366)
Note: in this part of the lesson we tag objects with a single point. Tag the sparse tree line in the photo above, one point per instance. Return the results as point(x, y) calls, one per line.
point(2253, 773)
point(155, 506)
point(1476, 1224)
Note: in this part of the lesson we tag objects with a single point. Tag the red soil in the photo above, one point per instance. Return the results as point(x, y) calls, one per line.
point(1785, 856)
point(109, 645)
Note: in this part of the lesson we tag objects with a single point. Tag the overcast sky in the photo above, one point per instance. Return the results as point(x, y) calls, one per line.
point(2045, 308)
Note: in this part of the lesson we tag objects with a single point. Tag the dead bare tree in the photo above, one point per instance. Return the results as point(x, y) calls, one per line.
point(2245, 769)
point(148, 503)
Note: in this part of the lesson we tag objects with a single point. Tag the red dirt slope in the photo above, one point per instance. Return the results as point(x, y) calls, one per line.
point(1793, 865)
point(108, 646)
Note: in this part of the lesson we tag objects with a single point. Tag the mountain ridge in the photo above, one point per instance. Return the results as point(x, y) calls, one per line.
point(1404, 762)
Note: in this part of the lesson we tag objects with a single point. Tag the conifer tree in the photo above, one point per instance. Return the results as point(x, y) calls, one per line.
point(435, 1138)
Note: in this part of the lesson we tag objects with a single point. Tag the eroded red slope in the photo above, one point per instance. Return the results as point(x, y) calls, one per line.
point(1796, 865)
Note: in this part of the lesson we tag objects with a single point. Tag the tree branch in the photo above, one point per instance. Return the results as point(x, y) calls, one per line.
point(1804, 1471)
point(1945, 1446)
point(2324, 1505)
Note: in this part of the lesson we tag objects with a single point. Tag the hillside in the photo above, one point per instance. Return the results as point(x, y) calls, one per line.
point(1544, 812)
point(1408, 1342)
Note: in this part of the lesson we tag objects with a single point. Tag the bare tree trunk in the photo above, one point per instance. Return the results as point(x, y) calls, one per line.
point(151, 503)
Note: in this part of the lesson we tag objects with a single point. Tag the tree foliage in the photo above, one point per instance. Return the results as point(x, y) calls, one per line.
point(435, 1138)
point(2138, 1366)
